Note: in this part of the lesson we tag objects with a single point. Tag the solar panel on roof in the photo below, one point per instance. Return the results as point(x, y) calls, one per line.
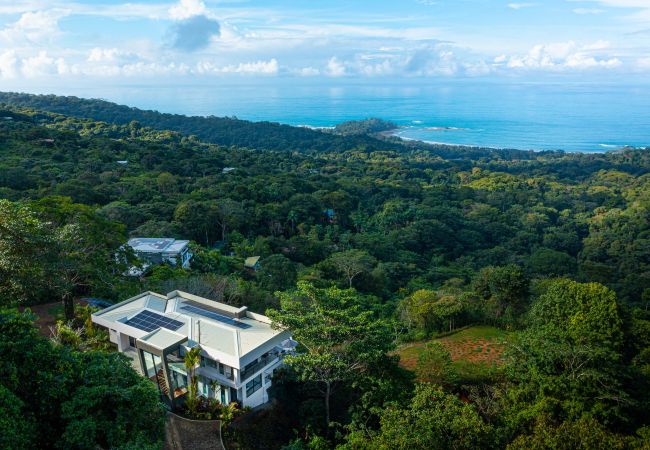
point(149, 321)
point(214, 316)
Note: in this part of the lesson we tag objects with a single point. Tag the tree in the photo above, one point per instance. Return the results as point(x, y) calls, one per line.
point(191, 360)
point(568, 363)
point(17, 430)
point(505, 289)
point(89, 253)
point(111, 406)
point(74, 400)
point(430, 311)
point(26, 243)
point(352, 263)
point(583, 434)
point(228, 214)
point(340, 339)
point(277, 272)
point(434, 420)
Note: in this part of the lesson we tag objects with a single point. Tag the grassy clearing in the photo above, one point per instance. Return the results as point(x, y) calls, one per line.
point(476, 352)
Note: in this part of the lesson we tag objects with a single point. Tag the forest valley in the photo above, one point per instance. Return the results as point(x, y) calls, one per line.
point(377, 254)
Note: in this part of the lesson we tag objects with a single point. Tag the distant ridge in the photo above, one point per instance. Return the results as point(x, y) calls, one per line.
point(242, 133)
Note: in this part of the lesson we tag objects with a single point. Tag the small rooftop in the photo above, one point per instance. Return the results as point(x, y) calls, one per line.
point(251, 261)
point(162, 338)
point(157, 245)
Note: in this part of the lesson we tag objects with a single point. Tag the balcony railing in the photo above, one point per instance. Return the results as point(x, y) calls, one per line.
point(263, 362)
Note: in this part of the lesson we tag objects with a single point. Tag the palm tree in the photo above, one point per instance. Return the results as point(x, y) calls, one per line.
point(191, 360)
point(214, 385)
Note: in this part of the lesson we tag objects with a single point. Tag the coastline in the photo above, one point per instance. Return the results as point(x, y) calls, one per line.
point(396, 133)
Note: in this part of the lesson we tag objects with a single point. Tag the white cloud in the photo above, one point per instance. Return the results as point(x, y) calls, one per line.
point(562, 56)
point(110, 55)
point(34, 27)
point(43, 65)
point(270, 67)
point(642, 7)
point(518, 6)
point(588, 11)
point(185, 9)
point(8, 64)
point(335, 68)
point(308, 72)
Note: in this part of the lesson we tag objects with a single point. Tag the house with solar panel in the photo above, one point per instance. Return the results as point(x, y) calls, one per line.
point(240, 351)
point(153, 251)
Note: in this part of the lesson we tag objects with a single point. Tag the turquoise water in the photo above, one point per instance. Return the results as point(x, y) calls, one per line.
point(573, 117)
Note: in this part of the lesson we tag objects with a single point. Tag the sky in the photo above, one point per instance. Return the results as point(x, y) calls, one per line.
point(190, 41)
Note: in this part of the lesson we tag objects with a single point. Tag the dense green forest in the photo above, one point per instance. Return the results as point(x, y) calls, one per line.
point(393, 242)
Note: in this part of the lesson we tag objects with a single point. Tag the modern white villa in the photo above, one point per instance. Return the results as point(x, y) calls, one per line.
point(239, 349)
point(152, 251)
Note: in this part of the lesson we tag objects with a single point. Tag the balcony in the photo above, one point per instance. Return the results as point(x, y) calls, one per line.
point(259, 365)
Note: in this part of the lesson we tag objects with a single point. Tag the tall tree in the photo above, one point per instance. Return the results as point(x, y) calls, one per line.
point(340, 340)
point(568, 363)
point(505, 289)
point(89, 251)
point(26, 244)
point(434, 420)
point(352, 263)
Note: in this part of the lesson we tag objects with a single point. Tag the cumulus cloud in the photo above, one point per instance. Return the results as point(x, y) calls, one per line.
point(194, 33)
point(43, 64)
point(8, 64)
point(432, 61)
point(185, 9)
point(110, 55)
point(308, 72)
point(335, 68)
point(33, 27)
point(562, 56)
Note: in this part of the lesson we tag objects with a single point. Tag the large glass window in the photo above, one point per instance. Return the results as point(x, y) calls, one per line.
point(253, 385)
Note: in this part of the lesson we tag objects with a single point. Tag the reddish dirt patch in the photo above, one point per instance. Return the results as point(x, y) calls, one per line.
point(475, 345)
point(474, 350)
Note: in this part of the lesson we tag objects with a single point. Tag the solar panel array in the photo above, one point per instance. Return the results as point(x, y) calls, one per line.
point(214, 316)
point(149, 321)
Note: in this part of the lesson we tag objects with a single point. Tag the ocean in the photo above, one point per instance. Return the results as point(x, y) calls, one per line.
point(574, 117)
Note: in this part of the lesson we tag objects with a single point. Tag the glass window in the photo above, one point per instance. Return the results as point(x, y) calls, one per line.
point(132, 341)
point(207, 362)
point(253, 385)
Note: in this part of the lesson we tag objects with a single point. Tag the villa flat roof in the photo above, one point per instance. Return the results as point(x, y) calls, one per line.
point(227, 329)
point(157, 245)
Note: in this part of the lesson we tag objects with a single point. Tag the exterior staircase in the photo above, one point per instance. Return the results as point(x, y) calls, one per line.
point(160, 378)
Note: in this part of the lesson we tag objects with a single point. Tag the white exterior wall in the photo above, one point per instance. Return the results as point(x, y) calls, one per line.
point(260, 396)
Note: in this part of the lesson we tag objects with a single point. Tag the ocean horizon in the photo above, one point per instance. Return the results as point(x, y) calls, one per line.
point(573, 117)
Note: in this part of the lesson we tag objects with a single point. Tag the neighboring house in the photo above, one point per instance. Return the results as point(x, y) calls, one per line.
point(252, 263)
point(239, 350)
point(330, 215)
point(152, 251)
